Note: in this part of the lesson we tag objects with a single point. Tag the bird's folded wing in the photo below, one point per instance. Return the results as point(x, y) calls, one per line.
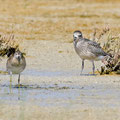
point(96, 49)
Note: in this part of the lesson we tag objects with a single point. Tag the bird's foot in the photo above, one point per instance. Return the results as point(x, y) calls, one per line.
point(93, 74)
point(20, 86)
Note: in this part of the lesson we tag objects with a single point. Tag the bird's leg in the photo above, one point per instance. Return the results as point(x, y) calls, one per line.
point(93, 67)
point(10, 82)
point(82, 66)
point(19, 80)
point(10, 77)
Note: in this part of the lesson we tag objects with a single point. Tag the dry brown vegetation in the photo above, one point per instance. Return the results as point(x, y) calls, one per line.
point(7, 42)
point(111, 45)
point(57, 19)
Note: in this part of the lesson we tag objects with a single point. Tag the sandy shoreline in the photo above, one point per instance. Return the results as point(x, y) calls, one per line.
point(55, 90)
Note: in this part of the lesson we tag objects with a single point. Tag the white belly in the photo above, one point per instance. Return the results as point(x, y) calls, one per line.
point(15, 70)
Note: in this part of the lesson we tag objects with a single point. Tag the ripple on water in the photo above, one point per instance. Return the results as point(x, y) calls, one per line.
point(62, 94)
point(46, 73)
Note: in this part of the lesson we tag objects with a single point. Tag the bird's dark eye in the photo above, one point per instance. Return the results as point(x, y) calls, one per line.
point(75, 38)
point(79, 35)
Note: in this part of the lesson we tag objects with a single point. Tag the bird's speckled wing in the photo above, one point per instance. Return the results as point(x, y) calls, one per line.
point(95, 48)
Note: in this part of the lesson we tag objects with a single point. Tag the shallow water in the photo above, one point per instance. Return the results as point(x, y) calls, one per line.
point(45, 73)
point(59, 94)
point(96, 95)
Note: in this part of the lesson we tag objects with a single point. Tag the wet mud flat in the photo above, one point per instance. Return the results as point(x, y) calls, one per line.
point(59, 95)
point(54, 90)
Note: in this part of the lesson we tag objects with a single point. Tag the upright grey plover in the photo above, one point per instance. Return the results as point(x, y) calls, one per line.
point(87, 49)
point(16, 63)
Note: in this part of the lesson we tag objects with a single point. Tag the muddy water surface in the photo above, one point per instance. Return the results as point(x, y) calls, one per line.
point(60, 94)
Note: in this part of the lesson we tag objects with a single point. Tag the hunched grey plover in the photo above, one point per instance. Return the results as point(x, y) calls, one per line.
point(16, 63)
point(87, 49)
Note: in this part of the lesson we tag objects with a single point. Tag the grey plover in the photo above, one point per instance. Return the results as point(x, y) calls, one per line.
point(87, 49)
point(16, 63)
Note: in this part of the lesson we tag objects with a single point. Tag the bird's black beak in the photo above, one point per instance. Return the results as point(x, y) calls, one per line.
point(19, 58)
point(75, 38)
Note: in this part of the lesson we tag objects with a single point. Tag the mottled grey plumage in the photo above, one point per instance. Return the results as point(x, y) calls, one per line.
point(87, 49)
point(16, 63)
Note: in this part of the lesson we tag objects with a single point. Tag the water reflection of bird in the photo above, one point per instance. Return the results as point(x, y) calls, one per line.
point(16, 63)
point(87, 49)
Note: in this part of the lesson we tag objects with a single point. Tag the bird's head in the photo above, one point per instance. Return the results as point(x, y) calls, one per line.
point(18, 55)
point(77, 34)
